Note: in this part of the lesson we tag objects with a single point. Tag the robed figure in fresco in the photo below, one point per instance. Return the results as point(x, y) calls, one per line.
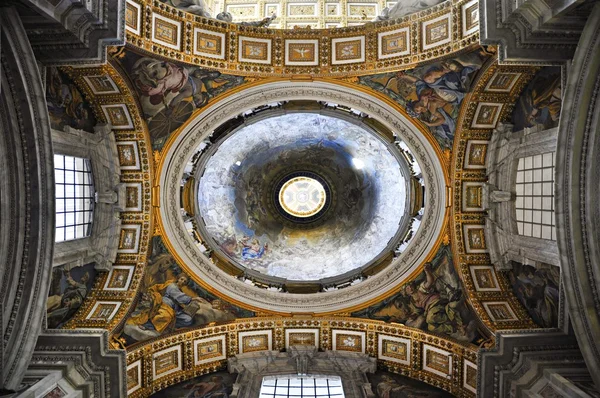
point(170, 306)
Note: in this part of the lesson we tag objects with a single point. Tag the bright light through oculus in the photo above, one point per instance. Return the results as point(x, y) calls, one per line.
point(358, 164)
point(302, 197)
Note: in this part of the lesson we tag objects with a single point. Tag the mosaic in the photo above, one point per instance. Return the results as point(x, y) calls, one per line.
point(432, 94)
point(66, 104)
point(170, 92)
point(170, 301)
point(434, 301)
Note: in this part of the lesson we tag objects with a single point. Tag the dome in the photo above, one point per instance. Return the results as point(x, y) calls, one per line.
point(222, 176)
point(303, 196)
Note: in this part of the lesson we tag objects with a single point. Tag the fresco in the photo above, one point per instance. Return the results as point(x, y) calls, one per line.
point(214, 385)
point(434, 301)
point(538, 290)
point(235, 196)
point(66, 104)
point(540, 102)
point(170, 92)
point(390, 385)
point(68, 290)
point(171, 301)
point(433, 93)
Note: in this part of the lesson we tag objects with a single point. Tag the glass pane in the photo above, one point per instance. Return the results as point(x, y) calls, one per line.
point(74, 183)
point(79, 162)
point(69, 163)
point(59, 176)
point(305, 387)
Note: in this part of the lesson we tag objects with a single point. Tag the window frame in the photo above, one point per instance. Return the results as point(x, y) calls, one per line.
point(74, 197)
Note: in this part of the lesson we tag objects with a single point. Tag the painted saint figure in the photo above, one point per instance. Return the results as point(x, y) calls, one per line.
point(62, 307)
point(169, 307)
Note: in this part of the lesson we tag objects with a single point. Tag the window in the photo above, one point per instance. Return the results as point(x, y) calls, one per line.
point(301, 386)
point(74, 197)
point(535, 196)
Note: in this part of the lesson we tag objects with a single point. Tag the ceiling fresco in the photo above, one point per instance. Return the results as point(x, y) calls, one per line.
point(434, 301)
point(390, 385)
point(538, 290)
point(432, 94)
point(540, 102)
point(70, 286)
point(169, 92)
point(461, 100)
point(67, 105)
point(170, 300)
point(368, 189)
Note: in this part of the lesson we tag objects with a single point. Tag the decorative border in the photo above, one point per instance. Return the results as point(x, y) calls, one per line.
point(175, 349)
point(467, 172)
point(312, 331)
point(315, 53)
point(268, 51)
point(335, 42)
point(429, 348)
point(139, 174)
point(380, 354)
point(383, 53)
point(218, 35)
point(327, 65)
point(335, 333)
point(268, 333)
point(217, 356)
point(327, 328)
point(156, 18)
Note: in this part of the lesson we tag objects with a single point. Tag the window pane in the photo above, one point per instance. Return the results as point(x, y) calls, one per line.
point(298, 386)
point(74, 183)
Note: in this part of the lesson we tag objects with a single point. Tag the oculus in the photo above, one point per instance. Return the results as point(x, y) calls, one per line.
point(303, 197)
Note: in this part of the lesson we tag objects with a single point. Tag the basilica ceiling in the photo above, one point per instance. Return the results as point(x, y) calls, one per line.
point(255, 193)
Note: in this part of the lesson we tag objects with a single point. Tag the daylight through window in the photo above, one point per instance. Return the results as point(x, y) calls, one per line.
point(74, 197)
point(535, 196)
point(298, 386)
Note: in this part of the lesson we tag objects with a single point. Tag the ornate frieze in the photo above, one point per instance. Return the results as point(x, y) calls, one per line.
point(400, 44)
point(440, 362)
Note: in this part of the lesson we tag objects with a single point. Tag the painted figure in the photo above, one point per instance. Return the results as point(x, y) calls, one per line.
point(61, 307)
point(169, 306)
point(540, 102)
point(433, 301)
point(251, 249)
point(432, 94)
point(215, 388)
point(538, 291)
point(66, 104)
point(157, 79)
point(439, 314)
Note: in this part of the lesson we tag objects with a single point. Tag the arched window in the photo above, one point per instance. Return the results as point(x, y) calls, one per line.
point(292, 386)
point(74, 197)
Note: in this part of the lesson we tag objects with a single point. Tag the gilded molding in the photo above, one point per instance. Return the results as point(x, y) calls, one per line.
point(155, 28)
point(411, 344)
point(491, 102)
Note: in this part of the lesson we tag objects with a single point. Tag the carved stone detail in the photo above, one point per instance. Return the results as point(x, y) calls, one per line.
point(101, 246)
point(576, 195)
point(26, 200)
point(350, 366)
